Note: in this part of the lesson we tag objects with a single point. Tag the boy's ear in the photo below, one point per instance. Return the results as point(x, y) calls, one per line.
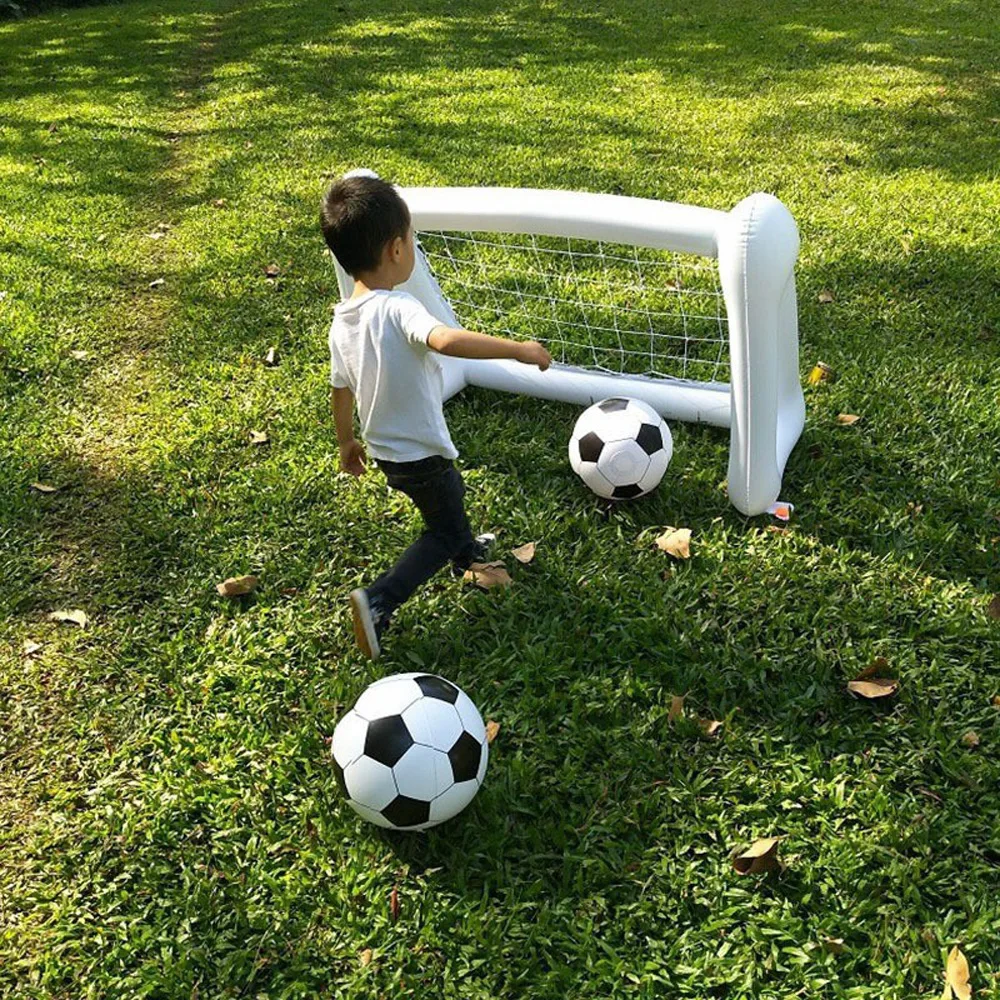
point(396, 247)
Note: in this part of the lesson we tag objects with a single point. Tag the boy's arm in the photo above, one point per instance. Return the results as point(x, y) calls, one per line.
point(466, 344)
point(352, 454)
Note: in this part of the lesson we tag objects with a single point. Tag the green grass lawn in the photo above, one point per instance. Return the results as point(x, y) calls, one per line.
point(170, 826)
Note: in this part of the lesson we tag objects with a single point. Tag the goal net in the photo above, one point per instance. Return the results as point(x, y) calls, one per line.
point(690, 309)
point(604, 307)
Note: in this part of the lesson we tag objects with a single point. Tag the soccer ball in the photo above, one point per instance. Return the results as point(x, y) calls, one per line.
point(411, 753)
point(620, 448)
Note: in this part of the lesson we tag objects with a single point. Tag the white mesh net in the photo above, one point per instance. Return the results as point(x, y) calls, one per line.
point(606, 307)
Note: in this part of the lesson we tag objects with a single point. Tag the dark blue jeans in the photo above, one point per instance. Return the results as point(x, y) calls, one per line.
point(436, 487)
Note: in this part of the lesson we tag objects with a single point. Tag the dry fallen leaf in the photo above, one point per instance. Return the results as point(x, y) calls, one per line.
point(44, 488)
point(846, 419)
point(676, 707)
point(365, 957)
point(761, 856)
point(156, 283)
point(676, 542)
point(524, 553)
point(237, 586)
point(825, 296)
point(75, 617)
point(877, 687)
point(259, 437)
point(877, 665)
point(30, 647)
point(996, 701)
point(272, 358)
point(492, 730)
point(993, 608)
point(156, 234)
point(956, 973)
point(272, 271)
point(394, 904)
point(488, 575)
point(219, 203)
point(79, 355)
point(834, 945)
point(971, 739)
point(710, 727)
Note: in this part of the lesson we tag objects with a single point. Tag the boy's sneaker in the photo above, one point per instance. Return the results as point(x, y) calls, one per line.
point(370, 621)
point(484, 543)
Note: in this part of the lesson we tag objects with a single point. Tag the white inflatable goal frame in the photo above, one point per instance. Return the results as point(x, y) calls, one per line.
point(756, 246)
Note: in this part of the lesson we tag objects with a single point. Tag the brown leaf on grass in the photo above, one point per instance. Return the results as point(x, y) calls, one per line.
point(157, 282)
point(365, 958)
point(488, 575)
point(272, 271)
point(271, 360)
point(237, 586)
point(835, 946)
point(219, 203)
point(822, 372)
point(524, 553)
point(79, 355)
point(877, 665)
point(156, 234)
point(492, 731)
point(825, 296)
point(259, 437)
point(676, 542)
point(710, 727)
point(877, 687)
point(971, 739)
point(993, 608)
point(44, 488)
point(75, 617)
point(29, 647)
point(956, 974)
point(676, 707)
point(394, 904)
point(996, 701)
point(761, 856)
point(846, 419)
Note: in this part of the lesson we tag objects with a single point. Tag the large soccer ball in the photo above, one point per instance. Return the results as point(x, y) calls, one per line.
point(411, 753)
point(620, 448)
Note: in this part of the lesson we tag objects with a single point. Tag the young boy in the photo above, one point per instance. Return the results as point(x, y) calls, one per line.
point(382, 347)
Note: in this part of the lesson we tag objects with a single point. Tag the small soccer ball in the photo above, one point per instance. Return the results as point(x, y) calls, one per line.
point(411, 753)
point(620, 448)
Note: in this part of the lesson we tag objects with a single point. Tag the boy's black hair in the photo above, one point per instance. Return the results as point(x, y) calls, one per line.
point(359, 216)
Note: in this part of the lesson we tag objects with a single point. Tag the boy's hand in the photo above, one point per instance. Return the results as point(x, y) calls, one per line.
point(352, 457)
point(532, 353)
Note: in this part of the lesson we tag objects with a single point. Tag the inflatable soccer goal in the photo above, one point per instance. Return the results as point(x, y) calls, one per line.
point(690, 309)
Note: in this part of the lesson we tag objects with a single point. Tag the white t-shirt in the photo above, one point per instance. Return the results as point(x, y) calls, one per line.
point(378, 349)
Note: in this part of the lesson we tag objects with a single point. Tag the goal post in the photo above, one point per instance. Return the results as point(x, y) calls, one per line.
point(689, 309)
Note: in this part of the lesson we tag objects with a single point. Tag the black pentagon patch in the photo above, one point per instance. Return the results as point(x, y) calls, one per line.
point(339, 773)
point(649, 439)
point(387, 740)
point(613, 405)
point(465, 756)
point(590, 447)
point(404, 811)
point(627, 492)
point(437, 687)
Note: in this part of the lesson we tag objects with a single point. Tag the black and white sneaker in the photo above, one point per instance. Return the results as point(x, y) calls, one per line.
point(370, 622)
point(484, 543)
